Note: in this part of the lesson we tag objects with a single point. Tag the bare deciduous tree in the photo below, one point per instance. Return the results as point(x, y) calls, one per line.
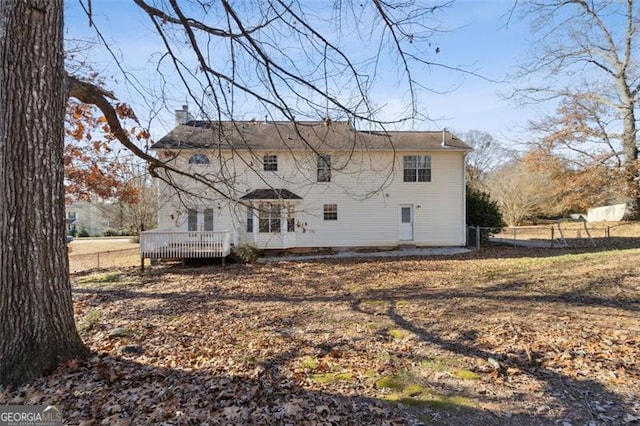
point(139, 213)
point(277, 54)
point(487, 155)
point(520, 193)
point(291, 60)
point(568, 188)
point(588, 51)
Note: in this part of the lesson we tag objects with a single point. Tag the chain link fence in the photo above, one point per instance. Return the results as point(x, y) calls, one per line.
point(83, 258)
point(564, 234)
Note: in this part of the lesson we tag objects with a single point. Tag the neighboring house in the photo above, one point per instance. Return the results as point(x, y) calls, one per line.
point(613, 213)
point(86, 215)
point(315, 184)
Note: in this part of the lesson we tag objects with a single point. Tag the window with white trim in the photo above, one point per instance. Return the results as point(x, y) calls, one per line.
point(208, 220)
point(269, 217)
point(192, 220)
point(249, 219)
point(417, 168)
point(270, 163)
point(324, 168)
point(330, 211)
point(198, 159)
point(291, 218)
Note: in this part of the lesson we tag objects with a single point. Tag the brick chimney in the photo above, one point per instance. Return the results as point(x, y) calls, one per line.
point(182, 115)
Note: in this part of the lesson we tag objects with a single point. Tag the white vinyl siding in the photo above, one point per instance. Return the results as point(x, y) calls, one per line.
point(368, 216)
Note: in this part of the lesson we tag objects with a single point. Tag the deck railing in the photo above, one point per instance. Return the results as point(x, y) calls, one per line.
point(184, 244)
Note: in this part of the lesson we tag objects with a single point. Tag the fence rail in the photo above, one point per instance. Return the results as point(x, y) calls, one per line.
point(565, 234)
point(81, 262)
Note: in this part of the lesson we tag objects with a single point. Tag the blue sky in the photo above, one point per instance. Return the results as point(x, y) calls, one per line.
point(477, 38)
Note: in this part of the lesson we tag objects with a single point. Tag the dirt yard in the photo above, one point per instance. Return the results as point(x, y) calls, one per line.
point(573, 234)
point(94, 254)
point(503, 336)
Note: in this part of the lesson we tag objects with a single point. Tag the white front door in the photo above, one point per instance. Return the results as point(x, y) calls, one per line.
point(200, 220)
point(405, 230)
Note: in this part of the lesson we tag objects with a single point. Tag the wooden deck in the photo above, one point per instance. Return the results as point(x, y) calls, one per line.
point(184, 244)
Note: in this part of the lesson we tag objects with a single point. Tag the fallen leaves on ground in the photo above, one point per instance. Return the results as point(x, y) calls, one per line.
point(488, 338)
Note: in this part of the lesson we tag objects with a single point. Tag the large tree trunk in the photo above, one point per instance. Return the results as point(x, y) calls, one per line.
point(37, 329)
point(631, 162)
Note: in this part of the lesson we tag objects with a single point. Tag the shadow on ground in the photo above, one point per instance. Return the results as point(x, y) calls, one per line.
point(305, 309)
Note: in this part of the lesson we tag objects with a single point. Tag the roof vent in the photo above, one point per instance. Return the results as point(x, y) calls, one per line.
point(444, 136)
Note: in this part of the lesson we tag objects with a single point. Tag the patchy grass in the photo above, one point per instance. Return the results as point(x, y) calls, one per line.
point(309, 363)
point(90, 321)
point(397, 333)
point(466, 375)
point(408, 392)
point(395, 382)
point(100, 278)
point(438, 363)
point(385, 341)
point(434, 401)
point(325, 378)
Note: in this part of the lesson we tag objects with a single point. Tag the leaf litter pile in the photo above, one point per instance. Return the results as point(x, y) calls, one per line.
point(496, 337)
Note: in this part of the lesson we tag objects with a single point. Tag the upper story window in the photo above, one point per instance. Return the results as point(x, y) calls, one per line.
point(270, 163)
point(324, 168)
point(417, 168)
point(198, 159)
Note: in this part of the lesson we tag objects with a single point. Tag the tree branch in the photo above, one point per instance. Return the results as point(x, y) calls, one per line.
point(93, 95)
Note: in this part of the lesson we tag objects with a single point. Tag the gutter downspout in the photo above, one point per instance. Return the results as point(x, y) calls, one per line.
point(465, 234)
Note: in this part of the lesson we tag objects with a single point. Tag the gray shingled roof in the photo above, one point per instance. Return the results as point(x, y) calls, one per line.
point(279, 135)
point(271, 194)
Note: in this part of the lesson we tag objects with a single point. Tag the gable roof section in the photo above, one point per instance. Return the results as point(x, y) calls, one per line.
point(287, 136)
point(271, 194)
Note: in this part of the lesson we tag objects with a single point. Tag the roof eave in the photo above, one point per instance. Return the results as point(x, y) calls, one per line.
point(228, 148)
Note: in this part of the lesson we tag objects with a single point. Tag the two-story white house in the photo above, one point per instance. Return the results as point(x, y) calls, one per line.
point(283, 185)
